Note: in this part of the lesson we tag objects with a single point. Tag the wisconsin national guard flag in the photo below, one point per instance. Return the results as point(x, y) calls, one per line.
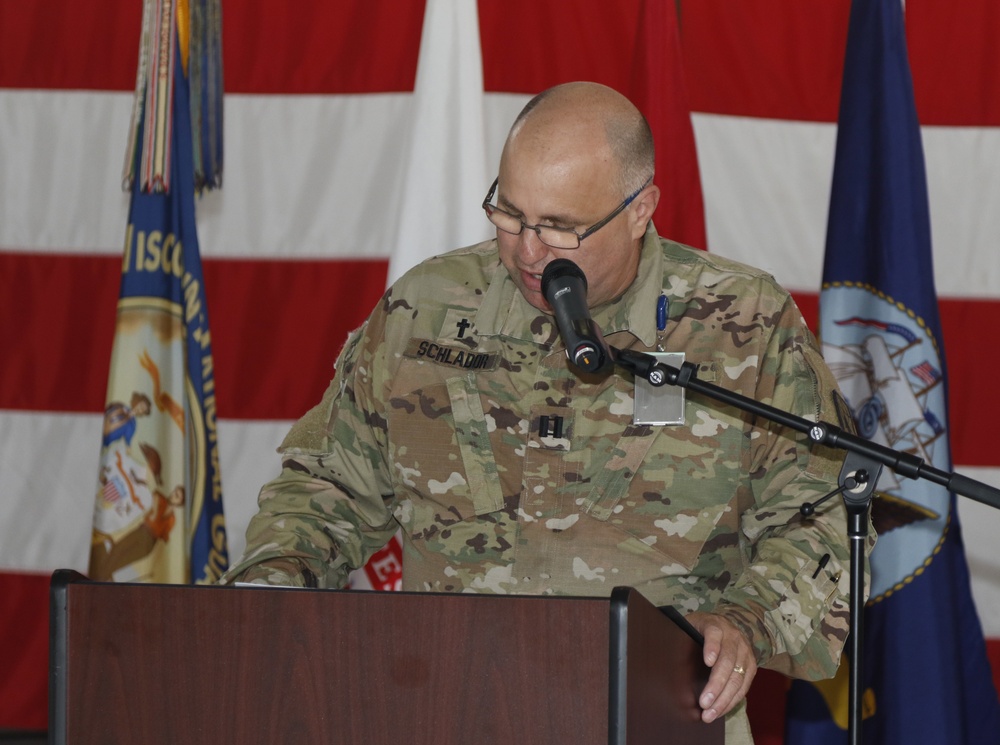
point(158, 513)
point(926, 676)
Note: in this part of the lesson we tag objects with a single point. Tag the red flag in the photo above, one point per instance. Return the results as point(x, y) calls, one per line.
point(658, 89)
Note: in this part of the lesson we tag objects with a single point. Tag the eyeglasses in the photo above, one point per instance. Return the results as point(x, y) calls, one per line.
point(550, 235)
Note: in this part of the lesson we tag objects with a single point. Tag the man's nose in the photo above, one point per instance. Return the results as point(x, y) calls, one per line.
point(530, 248)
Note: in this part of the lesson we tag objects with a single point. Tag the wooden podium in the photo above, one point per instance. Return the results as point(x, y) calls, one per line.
point(190, 664)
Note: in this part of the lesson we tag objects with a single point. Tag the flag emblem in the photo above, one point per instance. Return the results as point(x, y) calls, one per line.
point(882, 366)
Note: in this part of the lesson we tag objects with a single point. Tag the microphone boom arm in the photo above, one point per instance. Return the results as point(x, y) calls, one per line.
point(658, 374)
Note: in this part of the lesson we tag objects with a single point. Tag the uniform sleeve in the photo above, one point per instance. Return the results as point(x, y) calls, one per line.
point(330, 508)
point(792, 597)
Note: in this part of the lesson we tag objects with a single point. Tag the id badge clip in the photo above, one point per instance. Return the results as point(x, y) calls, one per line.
point(660, 405)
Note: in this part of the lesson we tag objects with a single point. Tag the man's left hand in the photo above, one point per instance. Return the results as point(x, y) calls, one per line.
point(728, 652)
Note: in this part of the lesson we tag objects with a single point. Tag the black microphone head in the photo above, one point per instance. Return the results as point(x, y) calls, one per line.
point(557, 269)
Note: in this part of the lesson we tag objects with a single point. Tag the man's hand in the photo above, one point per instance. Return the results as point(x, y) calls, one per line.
point(728, 652)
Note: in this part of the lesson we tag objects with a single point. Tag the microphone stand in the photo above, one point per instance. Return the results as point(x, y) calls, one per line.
point(862, 467)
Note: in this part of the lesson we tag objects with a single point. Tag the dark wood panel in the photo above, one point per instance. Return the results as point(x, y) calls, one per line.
point(168, 664)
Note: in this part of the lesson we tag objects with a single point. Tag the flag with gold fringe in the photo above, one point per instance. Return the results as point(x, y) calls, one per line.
point(926, 678)
point(158, 513)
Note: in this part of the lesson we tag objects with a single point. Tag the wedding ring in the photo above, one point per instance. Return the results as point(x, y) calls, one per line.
point(739, 670)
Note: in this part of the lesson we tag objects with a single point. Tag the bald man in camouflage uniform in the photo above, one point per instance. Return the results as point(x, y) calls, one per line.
point(456, 416)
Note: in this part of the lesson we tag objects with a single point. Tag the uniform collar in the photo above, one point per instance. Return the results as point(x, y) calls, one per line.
point(505, 312)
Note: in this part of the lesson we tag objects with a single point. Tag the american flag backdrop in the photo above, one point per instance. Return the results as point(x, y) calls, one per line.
point(320, 182)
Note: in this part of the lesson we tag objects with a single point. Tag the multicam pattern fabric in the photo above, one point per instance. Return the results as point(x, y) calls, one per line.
point(432, 424)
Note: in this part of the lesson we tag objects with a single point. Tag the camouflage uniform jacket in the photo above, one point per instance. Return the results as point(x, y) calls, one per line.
point(431, 424)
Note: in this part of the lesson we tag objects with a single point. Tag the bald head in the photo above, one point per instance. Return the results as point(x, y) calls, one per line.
point(575, 153)
point(592, 120)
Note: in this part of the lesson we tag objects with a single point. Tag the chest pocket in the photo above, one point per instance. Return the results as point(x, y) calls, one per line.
point(614, 475)
point(661, 484)
point(474, 444)
point(612, 481)
point(588, 457)
point(447, 458)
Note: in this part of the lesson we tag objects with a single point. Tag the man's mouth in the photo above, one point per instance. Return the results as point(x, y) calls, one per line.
point(532, 280)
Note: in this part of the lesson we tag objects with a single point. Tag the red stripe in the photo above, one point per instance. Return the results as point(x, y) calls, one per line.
point(269, 46)
point(57, 317)
point(315, 46)
point(595, 41)
point(954, 58)
point(276, 329)
point(657, 87)
point(973, 396)
point(24, 649)
point(72, 44)
point(784, 59)
point(770, 58)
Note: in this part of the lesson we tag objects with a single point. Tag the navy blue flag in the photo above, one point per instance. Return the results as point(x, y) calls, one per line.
point(158, 514)
point(926, 675)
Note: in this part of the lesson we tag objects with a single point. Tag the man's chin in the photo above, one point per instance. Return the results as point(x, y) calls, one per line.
point(536, 300)
point(531, 291)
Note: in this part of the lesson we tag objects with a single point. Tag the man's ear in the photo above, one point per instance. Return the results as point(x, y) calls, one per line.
point(643, 208)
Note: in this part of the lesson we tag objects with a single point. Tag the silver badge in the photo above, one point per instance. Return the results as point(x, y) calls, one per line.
point(660, 404)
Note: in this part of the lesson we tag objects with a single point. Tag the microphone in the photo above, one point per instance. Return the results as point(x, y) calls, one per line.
point(564, 285)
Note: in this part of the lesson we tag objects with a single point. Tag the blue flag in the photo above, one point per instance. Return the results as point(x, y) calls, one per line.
point(158, 513)
point(926, 675)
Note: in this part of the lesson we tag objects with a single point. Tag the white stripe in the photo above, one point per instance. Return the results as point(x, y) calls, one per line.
point(766, 187)
point(61, 158)
point(321, 177)
point(307, 177)
point(964, 189)
point(445, 155)
point(48, 479)
point(767, 191)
